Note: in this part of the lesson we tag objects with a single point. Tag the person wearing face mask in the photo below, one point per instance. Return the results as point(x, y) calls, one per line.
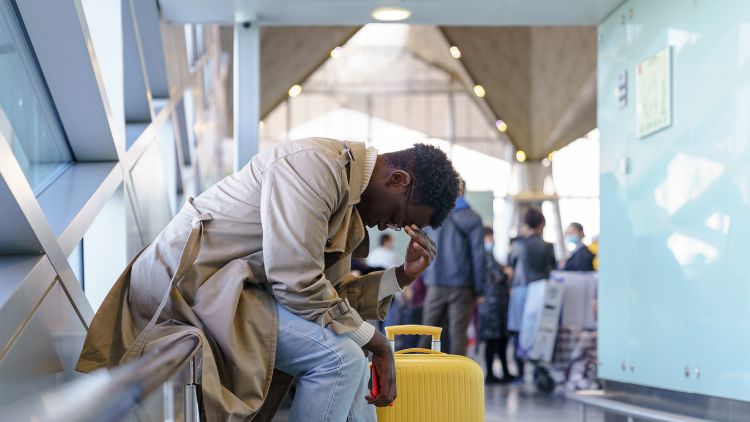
point(581, 259)
point(493, 313)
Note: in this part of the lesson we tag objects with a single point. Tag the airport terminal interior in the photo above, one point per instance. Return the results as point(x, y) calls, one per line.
point(622, 124)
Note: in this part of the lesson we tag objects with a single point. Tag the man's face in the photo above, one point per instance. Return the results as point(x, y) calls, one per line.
point(395, 212)
point(390, 202)
point(573, 231)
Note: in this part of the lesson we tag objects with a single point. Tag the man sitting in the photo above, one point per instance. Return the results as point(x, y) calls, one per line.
point(257, 269)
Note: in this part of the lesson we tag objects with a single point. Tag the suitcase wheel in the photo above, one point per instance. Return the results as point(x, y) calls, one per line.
point(544, 381)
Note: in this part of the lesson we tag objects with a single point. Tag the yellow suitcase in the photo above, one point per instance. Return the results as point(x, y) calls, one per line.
point(433, 386)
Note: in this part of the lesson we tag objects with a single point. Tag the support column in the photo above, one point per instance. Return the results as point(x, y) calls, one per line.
point(246, 90)
point(450, 123)
point(369, 119)
point(288, 118)
point(531, 177)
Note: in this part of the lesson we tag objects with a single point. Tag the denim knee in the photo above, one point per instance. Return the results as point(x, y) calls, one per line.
point(352, 360)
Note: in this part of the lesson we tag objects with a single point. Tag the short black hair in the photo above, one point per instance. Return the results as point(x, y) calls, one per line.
point(436, 181)
point(384, 238)
point(534, 218)
point(577, 226)
point(488, 231)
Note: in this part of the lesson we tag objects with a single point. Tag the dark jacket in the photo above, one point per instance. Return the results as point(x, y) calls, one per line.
point(460, 251)
point(493, 312)
point(531, 259)
point(581, 260)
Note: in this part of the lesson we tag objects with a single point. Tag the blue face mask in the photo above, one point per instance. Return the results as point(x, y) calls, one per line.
point(489, 247)
point(573, 239)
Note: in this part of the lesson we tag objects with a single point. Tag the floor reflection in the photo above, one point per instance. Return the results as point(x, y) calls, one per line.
point(516, 402)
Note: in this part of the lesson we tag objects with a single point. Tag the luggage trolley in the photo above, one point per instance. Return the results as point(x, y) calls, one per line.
point(558, 333)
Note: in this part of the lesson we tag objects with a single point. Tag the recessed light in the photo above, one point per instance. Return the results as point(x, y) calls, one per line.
point(520, 156)
point(551, 155)
point(391, 14)
point(295, 90)
point(501, 126)
point(455, 52)
point(336, 52)
point(479, 91)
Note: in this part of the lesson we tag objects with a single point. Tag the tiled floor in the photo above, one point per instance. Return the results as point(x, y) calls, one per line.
point(520, 403)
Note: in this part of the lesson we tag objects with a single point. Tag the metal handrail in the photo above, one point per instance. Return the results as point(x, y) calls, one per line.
point(606, 402)
point(108, 395)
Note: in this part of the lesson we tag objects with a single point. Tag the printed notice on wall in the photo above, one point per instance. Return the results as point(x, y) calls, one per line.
point(654, 93)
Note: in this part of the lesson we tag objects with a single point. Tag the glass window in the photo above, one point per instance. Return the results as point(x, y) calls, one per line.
point(575, 170)
point(27, 116)
point(151, 193)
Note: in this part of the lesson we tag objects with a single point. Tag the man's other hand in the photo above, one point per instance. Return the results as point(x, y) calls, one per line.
point(385, 367)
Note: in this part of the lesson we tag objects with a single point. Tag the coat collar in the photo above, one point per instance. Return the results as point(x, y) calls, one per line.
point(357, 170)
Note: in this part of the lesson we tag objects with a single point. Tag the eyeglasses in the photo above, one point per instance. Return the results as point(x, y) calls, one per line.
point(398, 227)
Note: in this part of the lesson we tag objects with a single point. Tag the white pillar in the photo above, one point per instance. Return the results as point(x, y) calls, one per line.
point(369, 119)
point(246, 90)
point(450, 124)
point(288, 118)
point(532, 175)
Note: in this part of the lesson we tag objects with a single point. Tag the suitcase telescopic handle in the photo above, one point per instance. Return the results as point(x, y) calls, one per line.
point(416, 330)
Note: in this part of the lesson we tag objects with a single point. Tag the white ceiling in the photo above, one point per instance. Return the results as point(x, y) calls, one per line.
point(424, 12)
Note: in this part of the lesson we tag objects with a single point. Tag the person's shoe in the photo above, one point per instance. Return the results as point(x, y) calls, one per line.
point(491, 379)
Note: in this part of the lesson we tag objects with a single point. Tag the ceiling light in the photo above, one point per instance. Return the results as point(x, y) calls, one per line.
point(455, 52)
point(261, 125)
point(336, 52)
point(479, 91)
point(546, 162)
point(501, 126)
point(391, 14)
point(520, 156)
point(550, 155)
point(295, 90)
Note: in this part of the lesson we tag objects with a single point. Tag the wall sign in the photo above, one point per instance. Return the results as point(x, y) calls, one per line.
point(653, 84)
point(622, 89)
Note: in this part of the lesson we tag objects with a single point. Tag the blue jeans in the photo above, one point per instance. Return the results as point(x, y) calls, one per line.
point(331, 370)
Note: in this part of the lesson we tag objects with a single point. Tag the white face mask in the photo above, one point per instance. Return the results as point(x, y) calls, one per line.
point(489, 247)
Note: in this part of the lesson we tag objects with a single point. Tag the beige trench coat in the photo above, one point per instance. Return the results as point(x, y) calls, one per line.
point(282, 229)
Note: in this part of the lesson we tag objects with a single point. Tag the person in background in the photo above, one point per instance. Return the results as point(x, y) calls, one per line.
point(581, 259)
point(493, 313)
point(383, 256)
point(455, 280)
point(531, 259)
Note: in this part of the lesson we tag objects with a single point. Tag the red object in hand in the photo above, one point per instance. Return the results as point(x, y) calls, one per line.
point(375, 383)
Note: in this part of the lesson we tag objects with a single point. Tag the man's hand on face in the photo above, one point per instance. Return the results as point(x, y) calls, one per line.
point(419, 254)
point(382, 359)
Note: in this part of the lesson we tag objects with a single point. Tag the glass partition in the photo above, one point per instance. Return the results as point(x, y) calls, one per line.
point(28, 119)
